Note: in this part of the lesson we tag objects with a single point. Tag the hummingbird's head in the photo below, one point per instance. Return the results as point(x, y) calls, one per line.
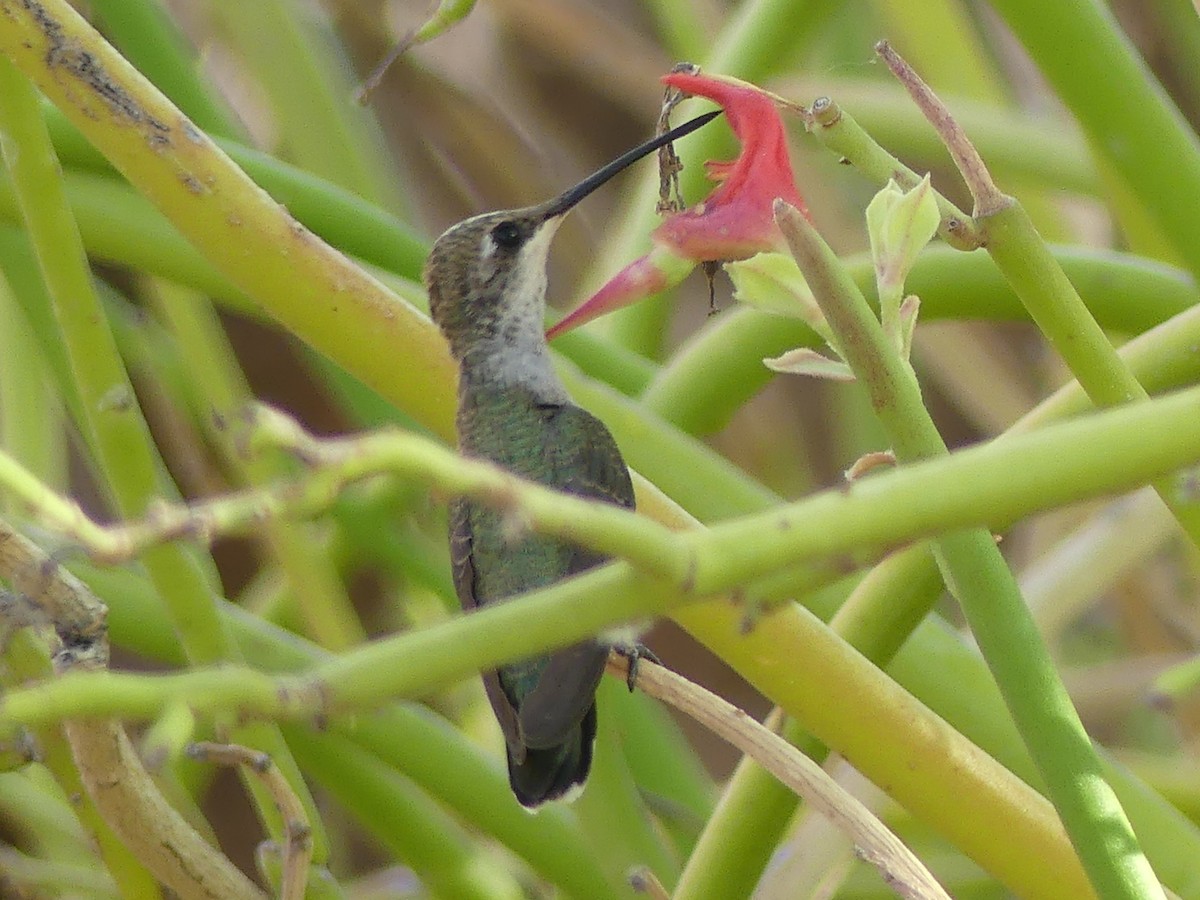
point(487, 275)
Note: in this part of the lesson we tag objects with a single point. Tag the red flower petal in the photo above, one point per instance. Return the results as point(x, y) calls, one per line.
point(656, 271)
point(736, 221)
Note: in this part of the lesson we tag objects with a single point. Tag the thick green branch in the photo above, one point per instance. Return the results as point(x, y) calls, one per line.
point(1092, 456)
point(111, 417)
point(1086, 457)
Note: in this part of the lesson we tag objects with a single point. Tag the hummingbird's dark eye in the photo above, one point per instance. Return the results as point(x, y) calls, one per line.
point(507, 235)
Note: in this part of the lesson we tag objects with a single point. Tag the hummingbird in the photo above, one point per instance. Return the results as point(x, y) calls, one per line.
point(486, 278)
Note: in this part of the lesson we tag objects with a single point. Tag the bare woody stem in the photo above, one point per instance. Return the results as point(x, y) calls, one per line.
point(896, 863)
point(989, 199)
point(297, 848)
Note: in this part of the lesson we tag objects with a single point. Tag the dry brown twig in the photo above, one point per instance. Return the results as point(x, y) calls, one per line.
point(297, 847)
point(903, 872)
point(989, 199)
point(670, 198)
point(111, 771)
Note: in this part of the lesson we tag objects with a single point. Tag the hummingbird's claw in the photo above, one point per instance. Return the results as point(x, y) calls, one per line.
point(634, 654)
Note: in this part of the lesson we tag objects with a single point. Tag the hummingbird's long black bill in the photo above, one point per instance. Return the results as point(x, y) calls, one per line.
point(571, 196)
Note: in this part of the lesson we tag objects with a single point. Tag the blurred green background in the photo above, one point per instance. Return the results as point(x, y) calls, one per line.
point(513, 103)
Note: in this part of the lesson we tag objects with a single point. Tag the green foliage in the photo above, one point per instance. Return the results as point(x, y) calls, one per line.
point(149, 290)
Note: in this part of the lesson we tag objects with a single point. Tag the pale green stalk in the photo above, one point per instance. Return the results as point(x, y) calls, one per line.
point(1092, 65)
point(221, 394)
point(30, 413)
point(294, 55)
point(112, 421)
point(612, 812)
point(1055, 305)
point(407, 822)
point(1045, 150)
point(977, 575)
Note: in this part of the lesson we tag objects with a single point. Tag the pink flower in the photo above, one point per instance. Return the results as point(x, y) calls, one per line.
point(736, 221)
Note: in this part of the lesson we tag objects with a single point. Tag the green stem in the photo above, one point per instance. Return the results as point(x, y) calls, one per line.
point(353, 225)
point(927, 766)
point(247, 236)
point(409, 738)
point(979, 578)
point(1019, 252)
point(957, 685)
point(1056, 307)
point(720, 367)
point(1068, 462)
point(405, 820)
point(148, 37)
point(112, 419)
point(30, 411)
point(1093, 66)
point(220, 394)
point(1094, 455)
point(612, 811)
point(886, 606)
point(1046, 151)
point(744, 828)
point(837, 130)
point(412, 740)
point(295, 58)
point(879, 616)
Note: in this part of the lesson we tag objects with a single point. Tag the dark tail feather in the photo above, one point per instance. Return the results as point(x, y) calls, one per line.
point(547, 774)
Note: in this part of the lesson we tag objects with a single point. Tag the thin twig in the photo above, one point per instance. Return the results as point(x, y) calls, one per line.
point(644, 881)
point(989, 199)
point(297, 847)
point(441, 16)
point(363, 95)
point(898, 866)
point(670, 198)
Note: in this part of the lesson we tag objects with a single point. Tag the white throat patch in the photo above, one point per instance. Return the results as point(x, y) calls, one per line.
point(518, 356)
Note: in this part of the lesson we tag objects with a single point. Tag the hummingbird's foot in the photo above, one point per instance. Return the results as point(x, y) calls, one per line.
point(635, 653)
